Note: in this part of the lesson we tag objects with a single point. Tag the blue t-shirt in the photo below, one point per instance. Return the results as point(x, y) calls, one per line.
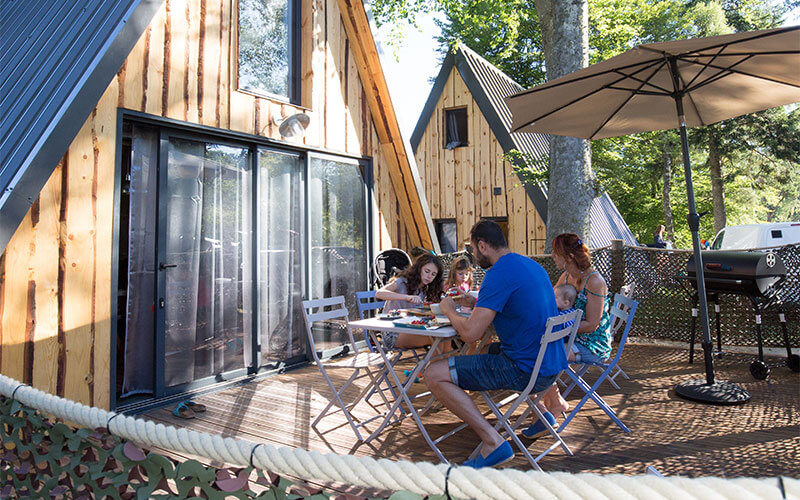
point(519, 291)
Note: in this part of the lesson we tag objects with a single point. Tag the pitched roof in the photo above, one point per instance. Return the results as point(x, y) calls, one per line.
point(608, 224)
point(489, 87)
point(57, 59)
point(362, 33)
point(61, 59)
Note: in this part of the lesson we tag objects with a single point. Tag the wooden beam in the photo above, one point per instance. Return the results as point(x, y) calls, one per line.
point(405, 179)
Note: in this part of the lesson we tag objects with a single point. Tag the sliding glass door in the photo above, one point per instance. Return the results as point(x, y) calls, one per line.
point(205, 262)
point(281, 237)
point(338, 237)
point(222, 242)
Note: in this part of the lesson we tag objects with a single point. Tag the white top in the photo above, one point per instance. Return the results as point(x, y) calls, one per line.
point(382, 325)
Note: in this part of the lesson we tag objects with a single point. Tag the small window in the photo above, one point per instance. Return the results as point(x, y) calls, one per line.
point(267, 47)
point(777, 233)
point(446, 231)
point(455, 125)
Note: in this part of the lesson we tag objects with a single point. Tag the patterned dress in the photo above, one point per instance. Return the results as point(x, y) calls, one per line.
point(598, 341)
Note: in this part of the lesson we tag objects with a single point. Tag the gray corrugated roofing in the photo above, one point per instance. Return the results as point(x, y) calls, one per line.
point(608, 224)
point(489, 87)
point(57, 59)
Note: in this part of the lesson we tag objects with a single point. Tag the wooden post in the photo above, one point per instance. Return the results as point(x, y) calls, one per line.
point(617, 266)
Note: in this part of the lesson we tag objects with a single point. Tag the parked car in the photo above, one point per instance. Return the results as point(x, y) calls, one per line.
point(749, 236)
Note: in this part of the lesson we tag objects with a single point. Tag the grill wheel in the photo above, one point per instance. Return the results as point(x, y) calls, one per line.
point(759, 370)
point(793, 362)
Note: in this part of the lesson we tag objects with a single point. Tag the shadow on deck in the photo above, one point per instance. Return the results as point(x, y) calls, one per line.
point(677, 437)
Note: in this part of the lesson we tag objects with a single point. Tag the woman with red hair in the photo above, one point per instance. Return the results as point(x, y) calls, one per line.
point(593, 343)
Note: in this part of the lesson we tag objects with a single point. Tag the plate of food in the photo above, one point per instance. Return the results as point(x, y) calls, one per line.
point(417, 312)
point(411, 322)
point(438, 322)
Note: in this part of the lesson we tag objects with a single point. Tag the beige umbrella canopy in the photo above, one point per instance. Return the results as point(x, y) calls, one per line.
point(668, 85)
point(719, 77)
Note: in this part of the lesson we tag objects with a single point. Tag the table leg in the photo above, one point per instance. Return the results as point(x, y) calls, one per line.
point(403, 389)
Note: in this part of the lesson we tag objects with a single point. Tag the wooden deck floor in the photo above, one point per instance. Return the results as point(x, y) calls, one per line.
point(761, 438)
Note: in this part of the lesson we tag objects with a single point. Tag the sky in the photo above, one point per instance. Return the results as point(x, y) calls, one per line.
point(410, 73)
point(411, 68)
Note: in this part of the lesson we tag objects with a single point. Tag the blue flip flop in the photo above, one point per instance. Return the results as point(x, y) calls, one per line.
point(539, 429)
point(183, 411)
point(499, 456)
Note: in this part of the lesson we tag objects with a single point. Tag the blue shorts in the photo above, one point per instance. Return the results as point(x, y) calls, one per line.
point(487, 372)
point(584, 355)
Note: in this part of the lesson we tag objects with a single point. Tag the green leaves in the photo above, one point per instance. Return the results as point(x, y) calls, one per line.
point(532, 170)
point(760, 153)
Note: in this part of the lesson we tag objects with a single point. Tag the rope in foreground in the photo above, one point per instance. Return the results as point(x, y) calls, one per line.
point(422, 478)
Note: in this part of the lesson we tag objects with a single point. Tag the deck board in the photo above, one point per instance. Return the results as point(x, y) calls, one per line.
point(677, 437)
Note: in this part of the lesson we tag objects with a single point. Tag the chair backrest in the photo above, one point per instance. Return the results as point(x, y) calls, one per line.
point(366, 303)
point(616, 323)
point(336, 309)
point(622, 312)
point(551, 334)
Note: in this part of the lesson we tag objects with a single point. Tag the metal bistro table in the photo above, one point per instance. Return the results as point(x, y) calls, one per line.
point(374, 325)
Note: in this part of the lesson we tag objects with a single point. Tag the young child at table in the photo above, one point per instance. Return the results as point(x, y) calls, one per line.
point(459, 281)
point(460, 276)
point(420, 282)
point(458, 286)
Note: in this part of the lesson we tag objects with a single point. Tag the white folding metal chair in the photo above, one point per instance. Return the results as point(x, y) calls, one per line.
point(504, 424)
point(616, 324)
point(361, 364)
point(623, 310)
point(367, 305)
point(627, 292)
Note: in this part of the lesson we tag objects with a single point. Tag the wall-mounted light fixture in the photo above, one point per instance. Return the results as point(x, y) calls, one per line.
point(292, 128)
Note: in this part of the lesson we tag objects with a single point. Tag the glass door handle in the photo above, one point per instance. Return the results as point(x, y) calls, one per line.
point(163, 266)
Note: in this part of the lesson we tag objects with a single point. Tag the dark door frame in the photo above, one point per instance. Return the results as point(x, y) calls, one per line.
point(167, 128)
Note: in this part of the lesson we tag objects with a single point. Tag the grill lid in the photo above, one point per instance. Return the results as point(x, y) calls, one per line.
point(750, 273)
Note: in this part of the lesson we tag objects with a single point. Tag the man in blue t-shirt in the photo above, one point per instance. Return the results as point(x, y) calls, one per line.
point(517, 298)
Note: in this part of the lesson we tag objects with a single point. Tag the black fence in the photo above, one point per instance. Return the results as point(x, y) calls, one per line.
point(665, 301)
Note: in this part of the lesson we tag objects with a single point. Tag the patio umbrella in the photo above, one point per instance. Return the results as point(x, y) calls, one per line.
point(669, 85)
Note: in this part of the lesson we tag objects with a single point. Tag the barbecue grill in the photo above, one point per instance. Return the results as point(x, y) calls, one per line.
point(755, 275)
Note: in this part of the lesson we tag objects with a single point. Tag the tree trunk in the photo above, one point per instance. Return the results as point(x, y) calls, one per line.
point(717, 188)
point(665, 191)
point(565, 32)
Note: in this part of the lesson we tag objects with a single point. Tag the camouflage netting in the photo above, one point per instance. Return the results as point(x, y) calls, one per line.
point(42, 457)
point(665, 301)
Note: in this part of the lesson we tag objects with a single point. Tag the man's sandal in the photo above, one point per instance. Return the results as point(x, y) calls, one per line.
point(183, 411)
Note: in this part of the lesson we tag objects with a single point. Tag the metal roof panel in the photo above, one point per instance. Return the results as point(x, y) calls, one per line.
point(65, 54)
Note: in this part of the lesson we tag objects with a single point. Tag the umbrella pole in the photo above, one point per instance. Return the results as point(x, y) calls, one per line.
point(693, 218)
point(708, 390)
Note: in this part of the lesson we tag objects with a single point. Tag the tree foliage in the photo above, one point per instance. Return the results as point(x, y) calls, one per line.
point(759, 154)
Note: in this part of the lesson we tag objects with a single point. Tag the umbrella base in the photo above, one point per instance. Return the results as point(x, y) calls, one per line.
point(718, 393)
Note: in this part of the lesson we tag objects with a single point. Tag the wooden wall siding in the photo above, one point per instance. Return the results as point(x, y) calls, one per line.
point(459, 183)
point(55, 274)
